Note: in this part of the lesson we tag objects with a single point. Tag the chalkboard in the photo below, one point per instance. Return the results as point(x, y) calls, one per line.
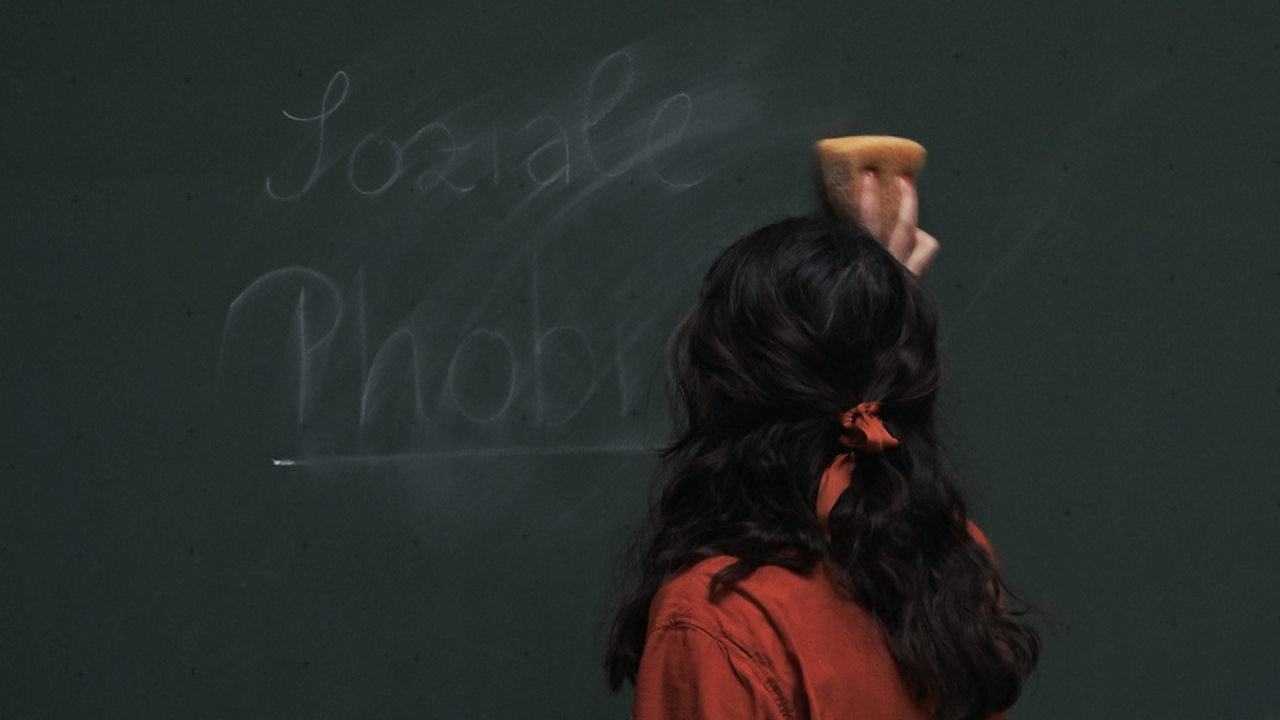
point(333, 332)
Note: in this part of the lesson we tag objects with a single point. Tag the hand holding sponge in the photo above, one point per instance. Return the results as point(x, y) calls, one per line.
point(850, 165)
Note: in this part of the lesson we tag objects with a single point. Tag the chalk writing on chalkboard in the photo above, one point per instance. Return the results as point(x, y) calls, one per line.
point(326, 307)
point(436, 376)
point(436, 145)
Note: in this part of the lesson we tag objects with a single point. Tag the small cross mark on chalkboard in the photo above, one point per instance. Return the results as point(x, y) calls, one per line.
point(631, 182)
point(1067, 396)
point(80, 674)
point(524, 419)
point(526, 535)
point(303, 426)
point(73, 79)
point(413, 421)
point(848, 57)
point(957, 172)
point(414, 541)
point(1067, 513)
point(416, 657)
point(1063, 52)
point(186, 78)
point(523, 300)
point(741, 179)
point(77, 316)
point(1172, 165)
point(305, 545)
point(191, 432)
point(306, 664)
point(631, 295)
point(75, 199)
point(633, 414)
point(409, 71)
point(957, 55)
point(526, 653)
point(1170, 49)
point(188, 196)
point(79, 435)
point(191, 550)
point(299, 75)
point(1065, 167)
point(79, 554)
point(193, 669)
point(190, 313)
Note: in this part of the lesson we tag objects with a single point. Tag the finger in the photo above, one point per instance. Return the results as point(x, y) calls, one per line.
point(869, 203)
point(922, 255)
point(903, 238)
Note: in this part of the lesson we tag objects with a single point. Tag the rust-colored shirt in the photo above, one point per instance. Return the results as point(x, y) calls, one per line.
point(776, 645)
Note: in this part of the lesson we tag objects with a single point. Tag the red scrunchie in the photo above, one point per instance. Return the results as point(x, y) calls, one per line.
point(863, 432)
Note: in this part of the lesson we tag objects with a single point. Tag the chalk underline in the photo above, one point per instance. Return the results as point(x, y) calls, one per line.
point(467, 453)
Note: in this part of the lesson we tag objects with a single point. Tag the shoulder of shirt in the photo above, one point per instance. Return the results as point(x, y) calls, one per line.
point(686, 598)
point(743, 615)
point(980, 538)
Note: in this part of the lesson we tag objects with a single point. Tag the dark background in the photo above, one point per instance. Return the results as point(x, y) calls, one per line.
point(293, 430)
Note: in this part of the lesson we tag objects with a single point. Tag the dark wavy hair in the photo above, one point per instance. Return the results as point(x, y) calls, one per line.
point(795, 324)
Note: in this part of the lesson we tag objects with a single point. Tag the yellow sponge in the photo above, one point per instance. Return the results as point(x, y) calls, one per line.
point(844, 160)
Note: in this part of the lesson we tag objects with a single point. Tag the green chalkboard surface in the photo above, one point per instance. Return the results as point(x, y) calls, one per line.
point(331, 366)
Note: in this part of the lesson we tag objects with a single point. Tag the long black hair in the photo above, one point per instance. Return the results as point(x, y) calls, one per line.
point(795, 324)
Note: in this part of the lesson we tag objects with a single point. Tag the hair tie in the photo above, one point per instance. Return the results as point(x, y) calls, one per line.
point(863, 431)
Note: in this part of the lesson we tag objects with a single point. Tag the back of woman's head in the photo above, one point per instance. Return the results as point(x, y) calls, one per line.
point(795, 324)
